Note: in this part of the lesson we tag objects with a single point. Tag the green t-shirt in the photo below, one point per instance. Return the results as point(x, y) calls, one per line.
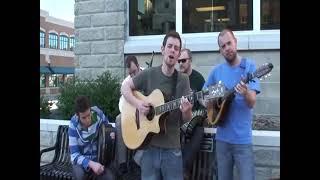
point(153, 78)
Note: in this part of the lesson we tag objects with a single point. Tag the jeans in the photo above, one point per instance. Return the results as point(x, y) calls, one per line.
point(240, 155)
point(159, 163)
point(80, 174)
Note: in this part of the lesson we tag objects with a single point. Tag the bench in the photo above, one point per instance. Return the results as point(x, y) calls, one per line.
point(60, 167)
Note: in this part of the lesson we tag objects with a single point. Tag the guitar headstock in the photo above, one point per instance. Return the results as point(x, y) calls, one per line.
point(213, 91)
point(262, 72)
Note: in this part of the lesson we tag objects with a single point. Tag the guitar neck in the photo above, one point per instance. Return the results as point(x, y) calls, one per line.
point(175, 104)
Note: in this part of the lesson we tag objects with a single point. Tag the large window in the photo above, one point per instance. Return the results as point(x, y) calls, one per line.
point(53, 40)
point(56, 80)
point(151, 17)
point(42, 39)
point(214, 15)
point(156, 17)
point(64, 42)
point(270, 14)
point(53, 80)
point(69, 78)
point(71, 43)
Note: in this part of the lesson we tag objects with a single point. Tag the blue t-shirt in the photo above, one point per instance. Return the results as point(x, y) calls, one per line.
point(237, 128)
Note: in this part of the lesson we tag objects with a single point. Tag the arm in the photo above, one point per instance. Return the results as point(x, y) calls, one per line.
point(249, 95)
point(76, 156)
point(249, 91)
point(127, 91)
point(185, 105)
point(211, 80)
point(186, 109)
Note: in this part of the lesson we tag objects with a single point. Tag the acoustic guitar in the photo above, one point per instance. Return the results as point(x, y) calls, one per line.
point(137, 129)
point(217, 109)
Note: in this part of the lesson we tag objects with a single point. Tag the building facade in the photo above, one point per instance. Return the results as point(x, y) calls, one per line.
point(56, 54)
point(106, 31)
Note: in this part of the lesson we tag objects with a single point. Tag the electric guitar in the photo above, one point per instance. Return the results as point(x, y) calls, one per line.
point(137, 129)
point(216, 110)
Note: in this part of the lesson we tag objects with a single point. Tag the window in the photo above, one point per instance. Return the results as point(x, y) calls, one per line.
point(42, 39)
point(60, 79)
point(52, 80)
point(71, 43)
point(69, 78)
point(42, 80)
point(199, 20)
point(53, 41)
point(64, 42)
point(213, 16)
point(151, 17)
point(270, 14)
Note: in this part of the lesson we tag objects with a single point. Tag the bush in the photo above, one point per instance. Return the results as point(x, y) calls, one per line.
point(103, 92)
point(44, 108)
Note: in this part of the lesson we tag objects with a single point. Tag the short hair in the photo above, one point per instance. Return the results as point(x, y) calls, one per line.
point(82, 103)
point(173, 34)
point(130, 59)
point(223, 32)
point(188, 51)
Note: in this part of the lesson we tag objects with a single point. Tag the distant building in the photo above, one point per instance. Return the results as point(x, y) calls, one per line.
point(56, 53)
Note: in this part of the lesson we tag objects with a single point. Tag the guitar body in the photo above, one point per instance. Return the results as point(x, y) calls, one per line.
point(136, 128)
point(217, 110)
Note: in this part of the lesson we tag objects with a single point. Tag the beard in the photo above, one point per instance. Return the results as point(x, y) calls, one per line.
point(169, 62)
point(231, 57)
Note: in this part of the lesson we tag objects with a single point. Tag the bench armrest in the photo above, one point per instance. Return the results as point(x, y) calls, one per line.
point(46, 150)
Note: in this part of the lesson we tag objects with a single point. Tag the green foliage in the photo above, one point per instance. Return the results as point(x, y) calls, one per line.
point(44, 108)
point(103, 92)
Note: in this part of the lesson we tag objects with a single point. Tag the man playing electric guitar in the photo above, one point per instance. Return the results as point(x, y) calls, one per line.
point(234, 137)
point(162, 157)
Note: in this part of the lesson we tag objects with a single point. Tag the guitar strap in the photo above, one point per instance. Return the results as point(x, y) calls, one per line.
point(175, 84)
point(243, 65)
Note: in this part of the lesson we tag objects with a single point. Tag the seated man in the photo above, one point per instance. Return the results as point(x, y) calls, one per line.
point(83, 131)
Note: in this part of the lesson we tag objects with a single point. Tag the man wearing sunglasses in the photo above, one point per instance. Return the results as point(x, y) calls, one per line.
point(185, 65)
point(190, 149)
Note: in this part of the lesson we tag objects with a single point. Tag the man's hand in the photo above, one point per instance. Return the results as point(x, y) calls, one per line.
point(241, 88)
point(185, 105)
point(112, 135)
point(143, 107)
point(96, 167)
point(186, 109)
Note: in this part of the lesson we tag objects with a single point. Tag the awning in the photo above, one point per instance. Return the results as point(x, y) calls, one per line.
point(57, 70)
point(44, 70)
point(63, 70)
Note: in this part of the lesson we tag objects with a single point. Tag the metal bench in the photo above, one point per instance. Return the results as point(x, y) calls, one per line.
point(60, 167)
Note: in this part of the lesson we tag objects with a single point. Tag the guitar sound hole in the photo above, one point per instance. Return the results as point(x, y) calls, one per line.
point(151, 113)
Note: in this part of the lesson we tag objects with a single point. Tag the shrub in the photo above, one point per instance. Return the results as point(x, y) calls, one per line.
point(103, 92)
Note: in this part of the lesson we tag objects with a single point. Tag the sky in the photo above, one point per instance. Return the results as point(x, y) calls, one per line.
point(62, 9)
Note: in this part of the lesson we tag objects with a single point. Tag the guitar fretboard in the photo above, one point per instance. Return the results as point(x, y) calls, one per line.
point(175, 104)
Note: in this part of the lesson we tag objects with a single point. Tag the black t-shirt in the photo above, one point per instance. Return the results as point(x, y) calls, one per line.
point(196, 84)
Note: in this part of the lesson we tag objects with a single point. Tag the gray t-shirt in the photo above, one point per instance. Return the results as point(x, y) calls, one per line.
point(153, 78)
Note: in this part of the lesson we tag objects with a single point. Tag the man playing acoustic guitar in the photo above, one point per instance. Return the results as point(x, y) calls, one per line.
point(161, 157)
point(234, 134)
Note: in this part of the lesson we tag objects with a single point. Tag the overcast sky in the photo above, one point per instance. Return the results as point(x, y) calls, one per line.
point(62, 9)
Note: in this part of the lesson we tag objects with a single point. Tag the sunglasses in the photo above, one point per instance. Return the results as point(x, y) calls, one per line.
point(182, 60)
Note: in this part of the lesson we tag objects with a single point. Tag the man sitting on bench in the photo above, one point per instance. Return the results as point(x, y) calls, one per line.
point(83, 132)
